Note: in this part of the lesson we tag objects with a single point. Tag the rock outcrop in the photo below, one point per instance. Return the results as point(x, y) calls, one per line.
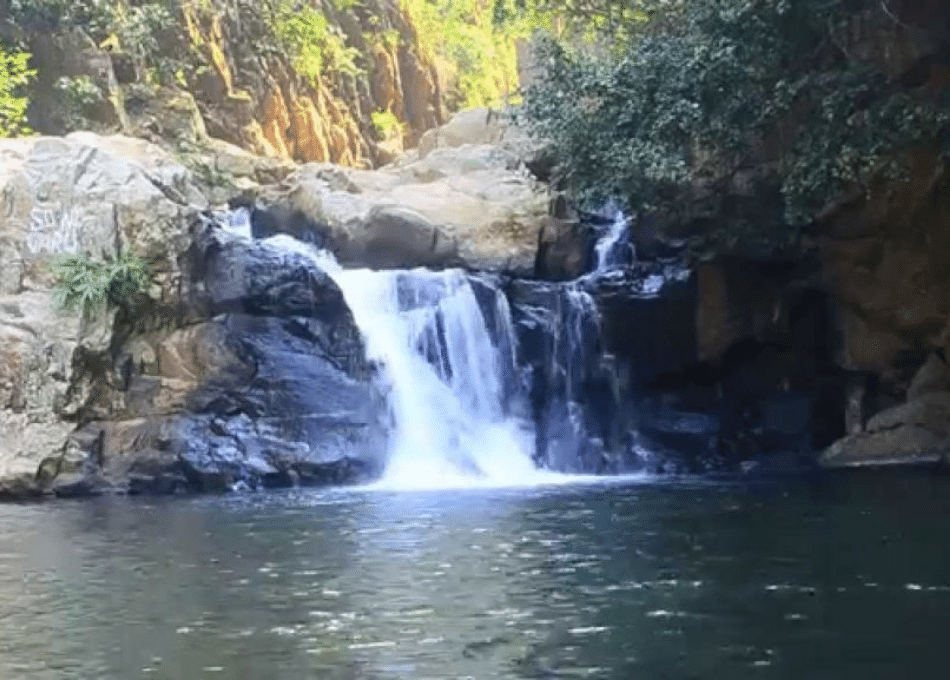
point(914, 433)
point(461, 202)
point(239, 366)
point(267, 387)
point(81, 193)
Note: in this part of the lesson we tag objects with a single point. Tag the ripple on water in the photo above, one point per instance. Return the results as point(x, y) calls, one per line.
point(611, 582)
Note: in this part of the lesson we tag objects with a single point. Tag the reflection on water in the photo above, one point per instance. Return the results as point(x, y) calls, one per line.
point(845, 579)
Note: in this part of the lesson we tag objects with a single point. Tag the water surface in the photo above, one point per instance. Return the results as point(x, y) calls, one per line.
point(843, 578)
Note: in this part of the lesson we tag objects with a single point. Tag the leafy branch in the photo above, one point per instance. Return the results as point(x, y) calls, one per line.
point(86, 285)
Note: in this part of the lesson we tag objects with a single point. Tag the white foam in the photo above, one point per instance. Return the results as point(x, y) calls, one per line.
point(450, 383)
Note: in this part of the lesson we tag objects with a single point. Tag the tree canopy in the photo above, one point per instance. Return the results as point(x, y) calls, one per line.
point(701, 91)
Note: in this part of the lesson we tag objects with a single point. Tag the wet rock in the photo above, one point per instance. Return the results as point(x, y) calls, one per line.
point(572, 387)
point(933, 376)
point(902, 447)
point(256, 277)
point(20, 488)
point(914, 433)
point(79, 485)
point(648, 318)
point(265, 401)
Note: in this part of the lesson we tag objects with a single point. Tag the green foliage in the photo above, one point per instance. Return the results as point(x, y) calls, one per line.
point(138, 29)
point(86, 285)
point(79, 90)
point(386, 125)
point(14, 77)
point(389, 38)
point(77, 96)
point(584, 20)
point(133, 27)
point(204, 170)
point(706, 91)
point(304, 33)
point(462, 34)
point(95, 16)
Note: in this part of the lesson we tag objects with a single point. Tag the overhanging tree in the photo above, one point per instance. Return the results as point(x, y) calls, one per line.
point(700, 91)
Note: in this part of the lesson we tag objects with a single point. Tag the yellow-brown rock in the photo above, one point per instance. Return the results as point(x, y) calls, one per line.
point(246, 87)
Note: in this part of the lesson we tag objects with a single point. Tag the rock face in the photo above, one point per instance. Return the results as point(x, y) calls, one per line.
point(233, 72)
point(241, 366)
point(473, 205)
point(82, 193)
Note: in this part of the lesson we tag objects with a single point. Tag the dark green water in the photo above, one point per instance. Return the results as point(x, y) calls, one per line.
point(845, 578)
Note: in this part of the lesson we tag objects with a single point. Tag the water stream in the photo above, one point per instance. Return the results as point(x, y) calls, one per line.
point(447, 360)
point(611, 244)
point(446, 348)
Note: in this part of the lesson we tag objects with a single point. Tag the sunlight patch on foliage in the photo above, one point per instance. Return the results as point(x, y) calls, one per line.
point(14, 77)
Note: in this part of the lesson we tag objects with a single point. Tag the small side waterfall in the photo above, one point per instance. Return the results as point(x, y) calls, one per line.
point(612, 243)
point(237, 222)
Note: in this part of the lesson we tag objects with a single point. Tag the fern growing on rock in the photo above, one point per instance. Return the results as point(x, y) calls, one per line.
point(86, 285)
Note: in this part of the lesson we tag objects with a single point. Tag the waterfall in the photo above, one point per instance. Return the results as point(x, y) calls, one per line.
point(460, 411)
point(581, 382)
point(446, 348)
point(609, 247)
point(237, 222)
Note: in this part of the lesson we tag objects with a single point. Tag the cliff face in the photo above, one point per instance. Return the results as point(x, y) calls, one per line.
point(349, 83)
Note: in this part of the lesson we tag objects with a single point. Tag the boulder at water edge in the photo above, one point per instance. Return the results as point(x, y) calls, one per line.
point(915, 433)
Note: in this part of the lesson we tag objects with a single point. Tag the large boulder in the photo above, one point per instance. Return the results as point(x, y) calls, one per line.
point(79, 194)
point(914, 433)
point(474, 205)
point(270, 387)
point(473, 126)
point(241, 402)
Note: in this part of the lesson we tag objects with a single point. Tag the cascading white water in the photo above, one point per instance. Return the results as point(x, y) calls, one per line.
point(608, 244)
point(449, 380)
point(429, 334)
point(237, 221)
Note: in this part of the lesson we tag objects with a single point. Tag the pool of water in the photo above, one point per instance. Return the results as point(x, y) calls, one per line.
point(847, 577)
